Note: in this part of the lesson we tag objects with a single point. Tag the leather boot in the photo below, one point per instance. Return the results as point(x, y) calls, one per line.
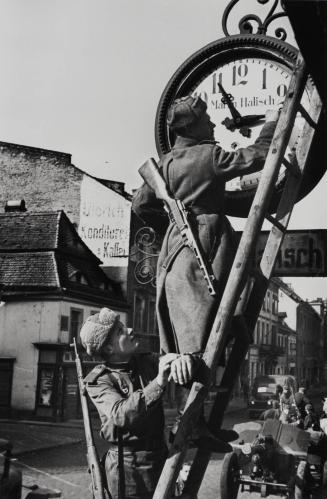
point(201, 436)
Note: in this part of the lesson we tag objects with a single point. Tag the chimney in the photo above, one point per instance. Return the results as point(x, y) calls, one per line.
point(15, 205)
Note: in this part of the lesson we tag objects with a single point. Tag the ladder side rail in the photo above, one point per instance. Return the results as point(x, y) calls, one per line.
point(290, 192)
point(202, 456)
point(235, 282)
point(237, 356)
point(283, 214)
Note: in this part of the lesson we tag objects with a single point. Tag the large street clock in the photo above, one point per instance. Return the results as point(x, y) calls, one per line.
point(240, 77)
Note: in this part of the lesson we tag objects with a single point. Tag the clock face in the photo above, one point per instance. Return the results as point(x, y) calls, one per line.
point(254, 72)
point(252, 85)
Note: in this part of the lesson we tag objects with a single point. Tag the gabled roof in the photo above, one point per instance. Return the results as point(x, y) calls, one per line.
point(28, 270)
point(42, 252)
point(29, 231)
point(41, 231)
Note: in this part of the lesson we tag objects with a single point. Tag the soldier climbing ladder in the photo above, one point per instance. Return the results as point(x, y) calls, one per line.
point(239, 273)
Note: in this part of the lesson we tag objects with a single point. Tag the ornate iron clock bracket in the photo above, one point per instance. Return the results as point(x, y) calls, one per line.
point(247, 23)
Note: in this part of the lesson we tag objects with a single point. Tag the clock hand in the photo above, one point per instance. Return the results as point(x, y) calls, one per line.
point(247, 121)
point(228, 99)
point(251, 119)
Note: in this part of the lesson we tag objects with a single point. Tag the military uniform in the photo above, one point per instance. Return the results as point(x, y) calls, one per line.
point(128, 400)
point(196, 173)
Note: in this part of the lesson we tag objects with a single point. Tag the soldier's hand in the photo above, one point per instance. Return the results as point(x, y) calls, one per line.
point(164, 368)
point(182, 369)
point(272, 115)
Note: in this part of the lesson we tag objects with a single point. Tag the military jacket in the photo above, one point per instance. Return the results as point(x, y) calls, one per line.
point(128, 397)
point(196, 173)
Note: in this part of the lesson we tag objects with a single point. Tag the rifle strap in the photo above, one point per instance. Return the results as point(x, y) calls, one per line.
point(165, 173)
point(121, 470)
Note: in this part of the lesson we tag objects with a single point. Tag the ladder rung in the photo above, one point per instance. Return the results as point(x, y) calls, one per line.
point(307, 116)
point(292, 168)
point(275, 222)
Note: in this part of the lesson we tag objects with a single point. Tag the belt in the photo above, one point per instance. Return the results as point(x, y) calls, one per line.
point(139, 444)
point(201, 210)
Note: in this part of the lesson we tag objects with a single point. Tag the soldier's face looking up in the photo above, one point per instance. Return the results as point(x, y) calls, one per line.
point(203, 128)
point(122, 342)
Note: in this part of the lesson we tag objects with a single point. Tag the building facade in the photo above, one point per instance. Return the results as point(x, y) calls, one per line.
point(50, 282)
point(48, 181)
point(310, 360)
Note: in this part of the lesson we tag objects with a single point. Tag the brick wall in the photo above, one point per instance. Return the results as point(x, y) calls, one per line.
point(45, 179)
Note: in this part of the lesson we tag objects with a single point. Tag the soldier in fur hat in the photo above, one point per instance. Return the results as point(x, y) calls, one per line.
point(127, 391)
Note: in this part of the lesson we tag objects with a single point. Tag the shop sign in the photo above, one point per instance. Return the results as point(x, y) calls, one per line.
point(302, 254)
point(105, 222)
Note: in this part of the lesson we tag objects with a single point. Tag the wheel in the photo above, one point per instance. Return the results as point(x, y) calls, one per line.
point(229, 479)
point(300, 488)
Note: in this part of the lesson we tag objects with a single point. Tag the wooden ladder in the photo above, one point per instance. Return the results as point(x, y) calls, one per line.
point(241, 273)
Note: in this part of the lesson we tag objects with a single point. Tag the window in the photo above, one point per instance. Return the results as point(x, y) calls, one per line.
point(46, 387)
point(256, 333)
point(64, 322)
point(77, 276)
point(76, 320)
point(275, 304)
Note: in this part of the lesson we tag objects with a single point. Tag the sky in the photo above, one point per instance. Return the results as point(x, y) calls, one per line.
point(85, 77)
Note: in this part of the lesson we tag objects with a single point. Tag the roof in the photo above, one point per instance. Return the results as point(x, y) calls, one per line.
point(35, 150)
point(41, 231)
point(29, 231)
point(43, 253)
point(31, 270)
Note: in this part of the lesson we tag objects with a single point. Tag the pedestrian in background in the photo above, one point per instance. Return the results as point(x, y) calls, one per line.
point(323, 416)
point(272, 413)
point(301, 400)
point(311, 420)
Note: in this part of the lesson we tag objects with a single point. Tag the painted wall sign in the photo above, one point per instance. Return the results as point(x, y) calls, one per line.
point(303, 253)
point(105, 222)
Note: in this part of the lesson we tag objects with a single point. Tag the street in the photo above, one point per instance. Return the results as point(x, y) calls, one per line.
point(59, 459)
point(65, 467)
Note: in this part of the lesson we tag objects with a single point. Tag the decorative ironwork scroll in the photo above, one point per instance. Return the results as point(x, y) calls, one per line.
point(248, 22)
point(145, 254)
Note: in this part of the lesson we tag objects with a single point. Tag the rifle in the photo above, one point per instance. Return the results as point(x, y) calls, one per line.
point(150, 173)
point(93, 461)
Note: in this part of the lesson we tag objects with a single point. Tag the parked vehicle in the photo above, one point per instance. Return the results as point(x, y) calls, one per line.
point(265, 389)
point(275, 458)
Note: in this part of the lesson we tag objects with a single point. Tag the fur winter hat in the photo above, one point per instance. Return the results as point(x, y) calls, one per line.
point(185, 111)
point(96, 330)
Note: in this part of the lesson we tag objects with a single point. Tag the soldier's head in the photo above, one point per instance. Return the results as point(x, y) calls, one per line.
point(275, 404)
point(188, 117)
point(309, 408)
point(105, 335)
